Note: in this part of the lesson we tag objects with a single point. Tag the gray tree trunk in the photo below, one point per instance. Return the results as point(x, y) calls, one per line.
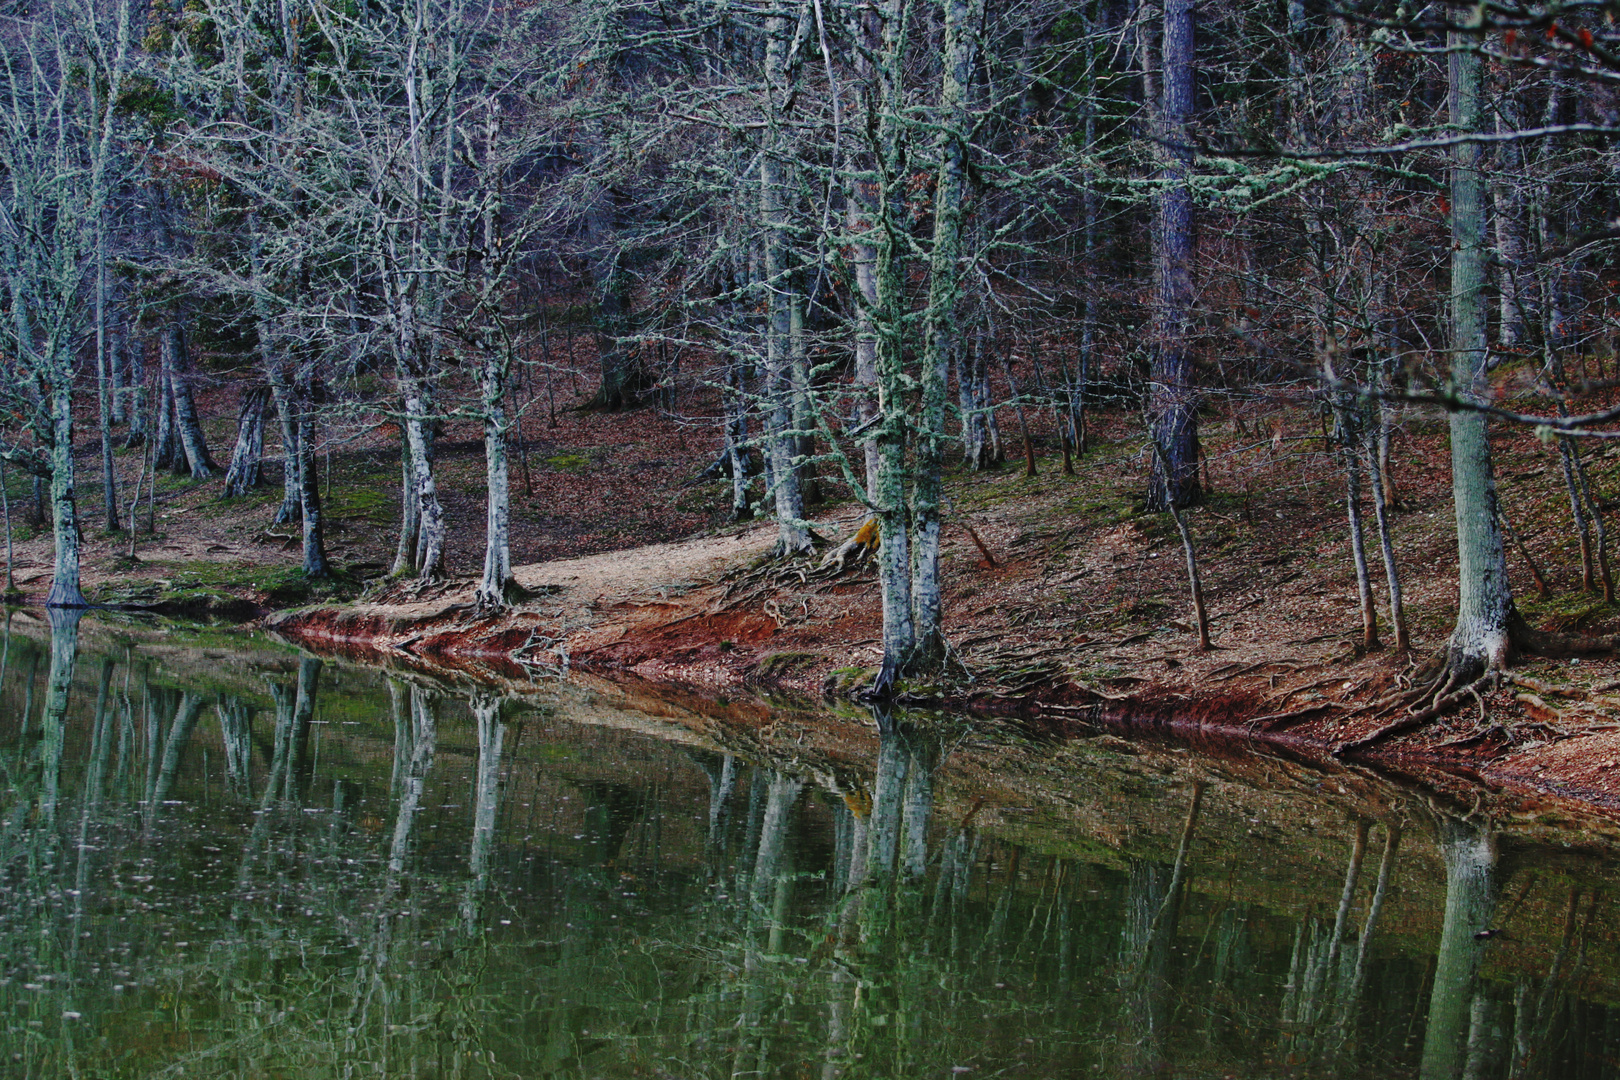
point(418, 422)
point(129, 360)
point(244, 473)
point(1512, 248)
point(781, 439)
point(1486, 617)
point(497, 588)
point(167, 451)
point(309, 485)
point(187, 424)
point(281, 393)
point(888, 316)
point(1470, 856)
point(941, 340)
point(410, 514)
point(1386, 539)
point(64, 499)
point(104, 383)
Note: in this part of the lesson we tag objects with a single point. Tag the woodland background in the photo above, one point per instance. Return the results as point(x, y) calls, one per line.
point(808, 253)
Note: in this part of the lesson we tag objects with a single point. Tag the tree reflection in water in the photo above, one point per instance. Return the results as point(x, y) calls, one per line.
point(298, 870)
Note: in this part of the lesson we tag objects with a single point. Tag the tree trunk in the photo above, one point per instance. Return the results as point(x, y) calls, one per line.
point(1507, 193)
point(889, 498)
point(104, 384)
point(188, 427)
point(781, 442)
point(245, 474)
point(64, 500)
point(497, 588)
point(418, 421)
point(309, 486)
point(1486, 617)
point(287, 414)
point(1350, 441)
point(170, 454)
point(128, 350)
point(410, 517)
point(1386, 542)
point(941, 330)
point(1470, 856)
point(117, 369)
point(804, 406)
point(1171, 401)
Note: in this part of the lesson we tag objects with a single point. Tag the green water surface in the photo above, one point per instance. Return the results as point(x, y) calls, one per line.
point(234, 863)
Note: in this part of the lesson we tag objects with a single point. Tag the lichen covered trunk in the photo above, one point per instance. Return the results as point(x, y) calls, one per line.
point(1482, 637)
point(497, 586)
point(430, 528)
point(243, 474)
point(187, 423)
point(64, 501)
point(941, 335)
point(287, 415)
point(781, 438)
point(309, 492)
point(1470, 857)
point(409, 515)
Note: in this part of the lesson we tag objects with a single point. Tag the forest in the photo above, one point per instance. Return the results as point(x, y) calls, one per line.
point(849, 250)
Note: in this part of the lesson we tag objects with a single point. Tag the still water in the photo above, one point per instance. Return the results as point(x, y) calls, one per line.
point(228, 863)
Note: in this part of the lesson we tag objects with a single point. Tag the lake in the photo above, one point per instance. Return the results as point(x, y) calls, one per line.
point(225, 858)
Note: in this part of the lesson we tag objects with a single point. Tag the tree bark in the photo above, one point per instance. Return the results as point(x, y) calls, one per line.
point(1172, 404)
point(1470, 856)
point(410, 520)
point(418, 421)
point(1486, 616)
point(1386, 541)
point(892, 433)
point(104, 383)
point(941, 332)
point(780, 285)
point(309, 485)
point(64, 499)
point(244, 473)
point(187, 424)
point(281, 393)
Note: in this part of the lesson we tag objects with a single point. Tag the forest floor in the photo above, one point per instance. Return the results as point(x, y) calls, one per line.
point(1082, 616)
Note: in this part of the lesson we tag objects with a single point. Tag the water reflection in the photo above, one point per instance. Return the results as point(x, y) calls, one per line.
point(284, 867)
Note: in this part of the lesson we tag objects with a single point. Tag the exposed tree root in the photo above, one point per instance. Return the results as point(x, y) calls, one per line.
point(1455, 680)
point(1558, 646)
point(1444, 701)
point(1276, 721)
point(864, 543)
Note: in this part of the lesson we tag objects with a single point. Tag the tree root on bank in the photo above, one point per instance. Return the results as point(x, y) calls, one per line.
point(1452, 684)
point(861, 545)
point(1443, 702)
